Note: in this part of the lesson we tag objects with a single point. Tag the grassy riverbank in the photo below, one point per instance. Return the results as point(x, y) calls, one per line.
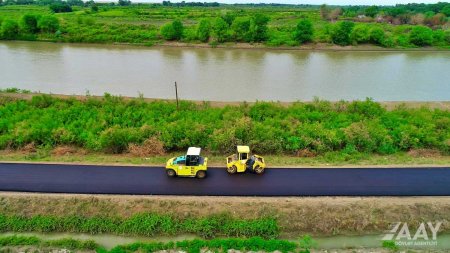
point(67, 243)
point(295, 217)
point(190, 246)
point(227, 26)
point(143, 224)
point(114, 129)
point(19, 244)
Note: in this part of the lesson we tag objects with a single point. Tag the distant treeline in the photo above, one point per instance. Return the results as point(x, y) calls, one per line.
point(348, 10)
point(183, 4)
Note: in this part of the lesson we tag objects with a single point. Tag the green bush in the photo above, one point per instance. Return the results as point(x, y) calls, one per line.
point(360, 34)
point(167, 32)
point(447, 36)
point(178, 29)
point(377, 36)
point(439, 37)
point(241, 29)
point(203, 30)
point(220, 30)
point(9, 29)
point(341, 32)
point(304, 31)
point(258, 27)
point(48, 23)
point(421, 36)
point(172, 31)
point(29, 23)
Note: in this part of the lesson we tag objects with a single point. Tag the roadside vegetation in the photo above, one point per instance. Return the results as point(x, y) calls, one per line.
point(144, 224)
point(402, 26)
point(112, 125)
point(248, 217)
point(66, 243)
point(254, 244)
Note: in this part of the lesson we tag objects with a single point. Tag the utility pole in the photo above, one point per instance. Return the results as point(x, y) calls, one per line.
point(176, 93)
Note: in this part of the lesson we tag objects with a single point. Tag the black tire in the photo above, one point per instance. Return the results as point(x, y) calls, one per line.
point(259, 170)
point(171, 173)
point(232, 170)
point(201, 174)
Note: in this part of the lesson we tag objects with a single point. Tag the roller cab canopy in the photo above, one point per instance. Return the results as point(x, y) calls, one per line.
point(193, 151)
point(243, 149)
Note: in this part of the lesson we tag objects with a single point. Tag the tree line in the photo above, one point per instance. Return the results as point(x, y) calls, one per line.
point(28, 24)
point(414, 14)
point(254, 29)
point(228, 28)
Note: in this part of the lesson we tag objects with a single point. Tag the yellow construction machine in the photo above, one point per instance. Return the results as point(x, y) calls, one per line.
point(243, 161)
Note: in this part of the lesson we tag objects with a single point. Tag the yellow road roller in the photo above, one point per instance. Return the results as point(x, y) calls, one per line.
point(243, 161)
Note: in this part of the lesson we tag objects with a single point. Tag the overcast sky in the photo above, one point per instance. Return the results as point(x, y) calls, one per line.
point(331, 2)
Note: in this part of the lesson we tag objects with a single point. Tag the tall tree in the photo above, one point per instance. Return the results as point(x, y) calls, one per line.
point(124, 2)
point(334, 14)
point(371, 11)
point(324, 11)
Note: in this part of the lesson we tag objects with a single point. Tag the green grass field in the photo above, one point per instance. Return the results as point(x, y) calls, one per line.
point(141, 24)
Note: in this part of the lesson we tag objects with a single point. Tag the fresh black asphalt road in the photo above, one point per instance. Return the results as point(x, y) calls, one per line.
point(275, 182)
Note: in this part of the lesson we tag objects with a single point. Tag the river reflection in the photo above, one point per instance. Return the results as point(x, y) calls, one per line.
point(225, 74)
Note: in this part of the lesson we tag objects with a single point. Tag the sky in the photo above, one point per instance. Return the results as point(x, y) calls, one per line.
point(330, 2)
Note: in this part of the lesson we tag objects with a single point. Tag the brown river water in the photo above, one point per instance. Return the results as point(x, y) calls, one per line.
point(216, 74)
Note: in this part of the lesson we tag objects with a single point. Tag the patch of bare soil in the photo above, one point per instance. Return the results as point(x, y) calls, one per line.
point(68, 150)
point(305, 153)
point(296, 215)
point(151, 147)
point(425, 153)
point(29, 148)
